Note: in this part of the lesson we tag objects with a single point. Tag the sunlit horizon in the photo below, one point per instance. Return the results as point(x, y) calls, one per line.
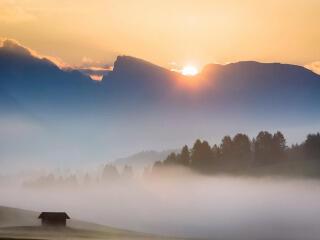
point(94, 33)
point(189, 70)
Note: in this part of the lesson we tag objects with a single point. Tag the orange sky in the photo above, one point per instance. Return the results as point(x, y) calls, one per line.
point(166, 31)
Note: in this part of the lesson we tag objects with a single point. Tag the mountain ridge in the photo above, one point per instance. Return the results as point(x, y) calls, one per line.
point(38, 81)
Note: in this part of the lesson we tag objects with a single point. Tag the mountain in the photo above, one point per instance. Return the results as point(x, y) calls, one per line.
point(265, 83)
point(136, 81)
point(37, 82)
point(143, 159)
point(244, 86)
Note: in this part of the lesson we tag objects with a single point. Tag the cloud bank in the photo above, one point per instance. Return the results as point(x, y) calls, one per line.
point(314, 66)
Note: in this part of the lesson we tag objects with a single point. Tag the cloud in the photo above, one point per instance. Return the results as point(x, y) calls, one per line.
point(95, 73)
point(94, 69)
point(96, 77)
point(314, 66)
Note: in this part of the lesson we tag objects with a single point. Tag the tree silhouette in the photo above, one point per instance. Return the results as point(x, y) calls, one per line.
point(216, 152)
point(263, 147)
point(201, 156)
point(110, 172)
point(196, 154)
point(184, 156)
point(241, 151)
point(312, 146)
point(226, 148)
point(156, 167)
point(236, 155)
point(279, 142)
point(172, 159)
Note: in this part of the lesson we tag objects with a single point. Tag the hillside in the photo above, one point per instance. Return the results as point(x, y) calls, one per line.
point(23, 224)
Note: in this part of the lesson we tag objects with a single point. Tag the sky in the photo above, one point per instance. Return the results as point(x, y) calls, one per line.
point(166, 32)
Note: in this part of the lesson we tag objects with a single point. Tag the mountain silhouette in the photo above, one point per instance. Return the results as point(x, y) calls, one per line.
point(269, 85)
point(136, 81)
point(37, 81)
point(244, 85)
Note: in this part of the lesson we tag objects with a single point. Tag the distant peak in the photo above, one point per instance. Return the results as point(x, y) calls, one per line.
point(124, 59)
point(132, 63)
point(209, 68)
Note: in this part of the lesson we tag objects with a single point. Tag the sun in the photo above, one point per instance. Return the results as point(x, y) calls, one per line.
point(189, 70)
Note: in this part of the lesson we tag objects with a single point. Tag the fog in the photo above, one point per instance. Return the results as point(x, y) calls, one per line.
point(182, 203)
point(85, 141)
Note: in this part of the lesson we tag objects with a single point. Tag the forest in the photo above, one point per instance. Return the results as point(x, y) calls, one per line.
point(266, 154)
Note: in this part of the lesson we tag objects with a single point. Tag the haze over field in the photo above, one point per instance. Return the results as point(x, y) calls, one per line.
point(184, 204)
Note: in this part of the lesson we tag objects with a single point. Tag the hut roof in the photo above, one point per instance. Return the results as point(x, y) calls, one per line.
point(54, 215)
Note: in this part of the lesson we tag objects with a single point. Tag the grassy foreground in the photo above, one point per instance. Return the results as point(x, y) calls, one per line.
point(23, 224)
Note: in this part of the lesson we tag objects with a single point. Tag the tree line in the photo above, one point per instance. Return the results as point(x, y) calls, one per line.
point(266, 153)
point(109, 173)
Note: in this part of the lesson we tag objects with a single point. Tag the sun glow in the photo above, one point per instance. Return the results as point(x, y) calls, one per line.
point(189, 70)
